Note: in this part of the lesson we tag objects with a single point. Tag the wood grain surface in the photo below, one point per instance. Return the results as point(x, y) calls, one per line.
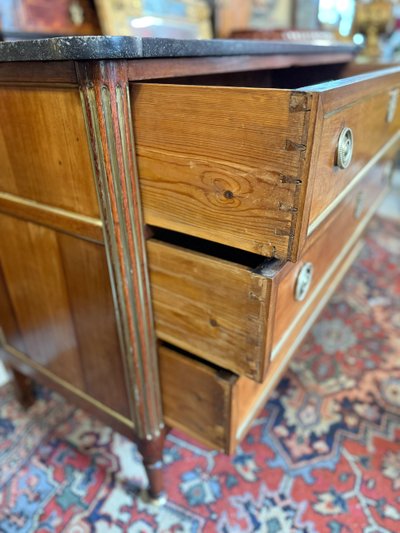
point(34, 276)
point(213, 308)
point(43, 149)
point(56, 306)
point(222, 164)
point(197, 398)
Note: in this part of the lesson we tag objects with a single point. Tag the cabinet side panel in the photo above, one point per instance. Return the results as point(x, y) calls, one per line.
point(93, 315)
point(57, 307)
point(34, 276)
point(8, 322)
point(43, 148)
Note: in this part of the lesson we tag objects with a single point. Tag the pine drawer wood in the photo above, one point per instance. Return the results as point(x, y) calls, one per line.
point(234, 401)
point(239, 317)
point(256, 168)
point(225, 164)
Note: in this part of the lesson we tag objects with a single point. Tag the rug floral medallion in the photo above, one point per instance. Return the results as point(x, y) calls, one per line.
point(323, 456)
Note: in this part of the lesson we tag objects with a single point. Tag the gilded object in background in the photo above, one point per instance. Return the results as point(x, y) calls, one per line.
point(372, 20)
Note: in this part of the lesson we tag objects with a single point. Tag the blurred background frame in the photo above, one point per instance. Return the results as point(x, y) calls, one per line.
point(182, 19)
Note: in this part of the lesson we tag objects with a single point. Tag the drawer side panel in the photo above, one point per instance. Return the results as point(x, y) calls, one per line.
point(213, 308)
point(196, 398)
point(222, 164)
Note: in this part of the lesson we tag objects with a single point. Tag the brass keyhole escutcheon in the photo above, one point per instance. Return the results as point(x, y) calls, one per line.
point(303, 281)
point(344, 151)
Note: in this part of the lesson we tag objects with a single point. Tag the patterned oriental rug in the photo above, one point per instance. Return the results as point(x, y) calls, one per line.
point(324, 455)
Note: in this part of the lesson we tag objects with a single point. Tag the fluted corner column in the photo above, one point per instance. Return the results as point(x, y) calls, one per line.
point(104, 90)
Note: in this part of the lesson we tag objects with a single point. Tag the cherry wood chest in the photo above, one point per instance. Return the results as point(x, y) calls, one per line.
point(175, 215)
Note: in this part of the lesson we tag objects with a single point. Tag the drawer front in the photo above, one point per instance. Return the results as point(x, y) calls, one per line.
point(370, 109)
point(236, 316)
point(325, 250)
point(248, 396)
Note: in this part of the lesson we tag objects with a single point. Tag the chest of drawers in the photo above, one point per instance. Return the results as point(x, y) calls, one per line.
point(174, 216)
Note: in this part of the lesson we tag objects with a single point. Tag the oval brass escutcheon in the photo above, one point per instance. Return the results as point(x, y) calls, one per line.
point(303, 282)
point(344, 151)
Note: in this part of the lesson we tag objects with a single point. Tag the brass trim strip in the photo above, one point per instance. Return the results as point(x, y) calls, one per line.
point(11, 204)
point(23, 358)
point(321, 304)
point(320, 218)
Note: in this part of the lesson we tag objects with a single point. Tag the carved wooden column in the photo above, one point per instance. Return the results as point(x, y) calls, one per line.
point(105, 99)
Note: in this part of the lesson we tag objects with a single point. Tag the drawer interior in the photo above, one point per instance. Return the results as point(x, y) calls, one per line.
point(251, 166)
point(282, 78)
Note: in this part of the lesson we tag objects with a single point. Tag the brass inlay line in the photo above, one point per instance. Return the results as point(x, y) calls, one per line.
point(57, 219)
point(58, 211)
point(71, 388)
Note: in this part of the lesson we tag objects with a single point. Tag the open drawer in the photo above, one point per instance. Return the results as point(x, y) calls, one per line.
point(217, 407)
point(258, 168)
point(240, 316)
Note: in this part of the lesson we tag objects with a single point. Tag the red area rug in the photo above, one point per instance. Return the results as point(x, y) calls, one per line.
point(324, 455)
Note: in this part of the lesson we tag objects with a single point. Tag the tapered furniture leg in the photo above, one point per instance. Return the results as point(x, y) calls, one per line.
point(152, 453)
point(24, 388)
point(104, 88)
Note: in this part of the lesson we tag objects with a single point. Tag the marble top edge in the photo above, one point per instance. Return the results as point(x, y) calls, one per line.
point(105, 47)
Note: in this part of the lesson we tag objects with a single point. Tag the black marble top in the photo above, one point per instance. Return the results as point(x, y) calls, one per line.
point(75, 48)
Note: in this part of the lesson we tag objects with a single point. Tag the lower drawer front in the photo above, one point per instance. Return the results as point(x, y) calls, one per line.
point(327, 248)
point(236, 316)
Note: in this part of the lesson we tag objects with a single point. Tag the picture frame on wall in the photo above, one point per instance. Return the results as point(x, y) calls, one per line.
point(185, 19)
point(234, 15)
